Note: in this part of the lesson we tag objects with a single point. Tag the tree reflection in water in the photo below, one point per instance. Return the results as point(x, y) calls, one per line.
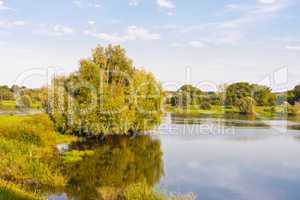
point(118, 162)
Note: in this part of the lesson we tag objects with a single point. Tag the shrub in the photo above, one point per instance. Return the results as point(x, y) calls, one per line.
point(24, 102)
point(140, 191)
point(294, 109)
point(246, 105)
point(205, 106)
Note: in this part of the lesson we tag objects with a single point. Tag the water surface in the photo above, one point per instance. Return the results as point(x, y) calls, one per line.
point(216, 159)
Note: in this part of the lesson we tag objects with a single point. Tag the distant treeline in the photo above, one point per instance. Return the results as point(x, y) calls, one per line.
point(245, 96)
point(21, 97)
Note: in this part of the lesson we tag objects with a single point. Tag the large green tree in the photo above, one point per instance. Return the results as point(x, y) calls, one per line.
point(246, 105)
point(6, 93)
point(186, 95)
point(236, 91)
point(262, 95)
point(108, 95)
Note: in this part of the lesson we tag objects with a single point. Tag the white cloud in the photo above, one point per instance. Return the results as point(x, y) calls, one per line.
point(91, 22)
point(135, 33)
point(86, 3)
point(293, 48)
point(54, 30)
point(77, 4)
point(229, 37)
point(134, 2)
point(3, 6)
point(268, 1)
point(222, 38)
point(252, 13)
point(177, 45)
point(197, 44)
point(11, 24)
point(166, 4)
point(132, 33)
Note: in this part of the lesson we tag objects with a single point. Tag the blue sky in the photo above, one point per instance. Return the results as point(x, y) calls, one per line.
point(204, 42)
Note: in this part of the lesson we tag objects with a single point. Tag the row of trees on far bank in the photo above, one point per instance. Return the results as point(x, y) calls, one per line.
point(20, 97)
point(242, 95)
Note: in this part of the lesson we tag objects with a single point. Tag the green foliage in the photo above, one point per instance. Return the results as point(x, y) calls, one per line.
point(237, 91)
point(262, 95)
point(140, 191)
point(186, 95)
point(294, 109)
point(205, 106)
point(75, 155)
point(24, 102)
point(106, 96)
point(293, 96)
point(8, 105)
point(246, 105)
point(36, 129)
point(6, 93)
point(27, 153)
point(9, 191)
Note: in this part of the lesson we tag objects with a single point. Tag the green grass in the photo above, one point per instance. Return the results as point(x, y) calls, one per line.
point(141, 191)
point(193, 110)
point(12, 105)
point(8, 105)
point(27, 151)
point(75, 155)
point(9, 191)
point(264, 111)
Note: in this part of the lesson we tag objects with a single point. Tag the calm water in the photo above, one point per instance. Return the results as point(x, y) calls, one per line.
point(216, 159)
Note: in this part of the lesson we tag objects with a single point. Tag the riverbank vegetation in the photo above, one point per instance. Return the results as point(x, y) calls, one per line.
point(21, 98)
point(239, 98)
point(28, 158)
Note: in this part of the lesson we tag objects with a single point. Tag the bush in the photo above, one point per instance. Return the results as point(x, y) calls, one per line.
point(140, 191)
point(205, 106)
point(294, 109)
point(246, 105)
point(24, 102)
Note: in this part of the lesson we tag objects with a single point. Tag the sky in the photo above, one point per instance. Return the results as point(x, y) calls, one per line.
point(201, 42)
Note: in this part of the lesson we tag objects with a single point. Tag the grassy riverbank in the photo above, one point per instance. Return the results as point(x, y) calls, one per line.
point(10, 191)
point(27, 152)
point(9, 105)
point(219, 111)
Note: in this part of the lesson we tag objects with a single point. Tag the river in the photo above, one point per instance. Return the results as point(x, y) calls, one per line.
point(214, 158)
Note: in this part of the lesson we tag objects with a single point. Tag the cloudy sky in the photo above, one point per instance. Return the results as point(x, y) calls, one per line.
point(205, 42)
